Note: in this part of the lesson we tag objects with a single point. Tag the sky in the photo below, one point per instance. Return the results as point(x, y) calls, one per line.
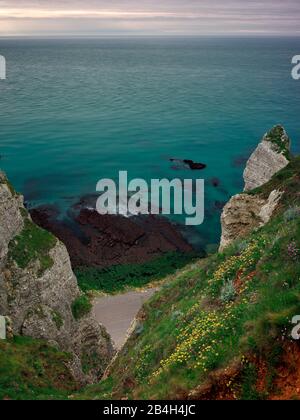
point(149, 17)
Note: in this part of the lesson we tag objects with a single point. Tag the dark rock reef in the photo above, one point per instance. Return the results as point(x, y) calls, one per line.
point(105, 240)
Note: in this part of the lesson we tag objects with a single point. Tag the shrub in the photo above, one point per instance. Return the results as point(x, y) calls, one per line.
point(242, 246)
point(81, 307)
point(279, 139)
point(291, 214)
point(228, 292)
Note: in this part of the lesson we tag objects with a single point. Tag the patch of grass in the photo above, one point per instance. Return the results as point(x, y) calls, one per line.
point(32, 370)
point(118, 278)
point(57, 319)
point(249, 382)
point(278, 137)
point(33, 243)
point(91, 362)
point(81, 307)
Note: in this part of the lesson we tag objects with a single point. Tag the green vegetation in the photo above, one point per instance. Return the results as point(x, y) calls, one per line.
point(249, 381)
point(57, 319)
point(228, 292)
point(90, 362)
point(33, 243)
point(31, 370)
point(278, 137)
point(119, 278)
point(231, 309)
point(81, 307)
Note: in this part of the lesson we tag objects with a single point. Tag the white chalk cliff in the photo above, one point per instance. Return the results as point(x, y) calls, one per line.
point(270, 156)
point(246, 212)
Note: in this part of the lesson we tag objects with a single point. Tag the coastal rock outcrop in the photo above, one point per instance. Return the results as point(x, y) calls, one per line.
point(11, 218)
point(270, 156)
point(38, 290)
point(245, 212)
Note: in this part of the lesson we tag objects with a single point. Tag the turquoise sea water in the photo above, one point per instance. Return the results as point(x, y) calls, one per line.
point(75, 111)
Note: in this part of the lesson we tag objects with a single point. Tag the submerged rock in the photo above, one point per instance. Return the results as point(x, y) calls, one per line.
point(187, 163)
point(215, 182)
point(194, 165)
point(270, 156)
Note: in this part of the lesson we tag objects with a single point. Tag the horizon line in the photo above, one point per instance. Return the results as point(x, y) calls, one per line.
point(215, 35)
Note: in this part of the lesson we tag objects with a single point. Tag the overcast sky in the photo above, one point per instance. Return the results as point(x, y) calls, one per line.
point(149, 17)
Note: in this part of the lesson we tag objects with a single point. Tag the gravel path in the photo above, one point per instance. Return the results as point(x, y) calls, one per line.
point(117, 312)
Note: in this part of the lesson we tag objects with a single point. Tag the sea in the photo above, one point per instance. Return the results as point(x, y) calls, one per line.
point(74, 111)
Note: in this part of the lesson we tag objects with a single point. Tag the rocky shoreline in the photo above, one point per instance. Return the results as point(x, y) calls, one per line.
point(105, 240)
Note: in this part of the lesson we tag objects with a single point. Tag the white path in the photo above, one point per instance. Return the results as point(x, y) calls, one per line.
point(117, 312)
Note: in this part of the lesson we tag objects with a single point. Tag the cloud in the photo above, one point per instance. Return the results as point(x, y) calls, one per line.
point(189, 17)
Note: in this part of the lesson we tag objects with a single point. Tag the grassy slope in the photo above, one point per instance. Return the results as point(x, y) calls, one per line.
point(121, 278)
point(32, 370)
point(216, 330)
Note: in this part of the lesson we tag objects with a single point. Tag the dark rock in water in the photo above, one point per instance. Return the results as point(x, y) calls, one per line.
point(106, 240)
point(49, 212)
point(85, 202)
point(187, 163)
point(194, 165)
point(215, 182)
point(179, 164)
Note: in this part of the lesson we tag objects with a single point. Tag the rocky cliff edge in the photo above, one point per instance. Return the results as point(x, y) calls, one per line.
point(246, 212)
point(38, 290)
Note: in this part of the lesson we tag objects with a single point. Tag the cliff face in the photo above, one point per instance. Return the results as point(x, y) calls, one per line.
point(38, 289)
point(271, 155)
point(11, 218)
point(245, 212)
